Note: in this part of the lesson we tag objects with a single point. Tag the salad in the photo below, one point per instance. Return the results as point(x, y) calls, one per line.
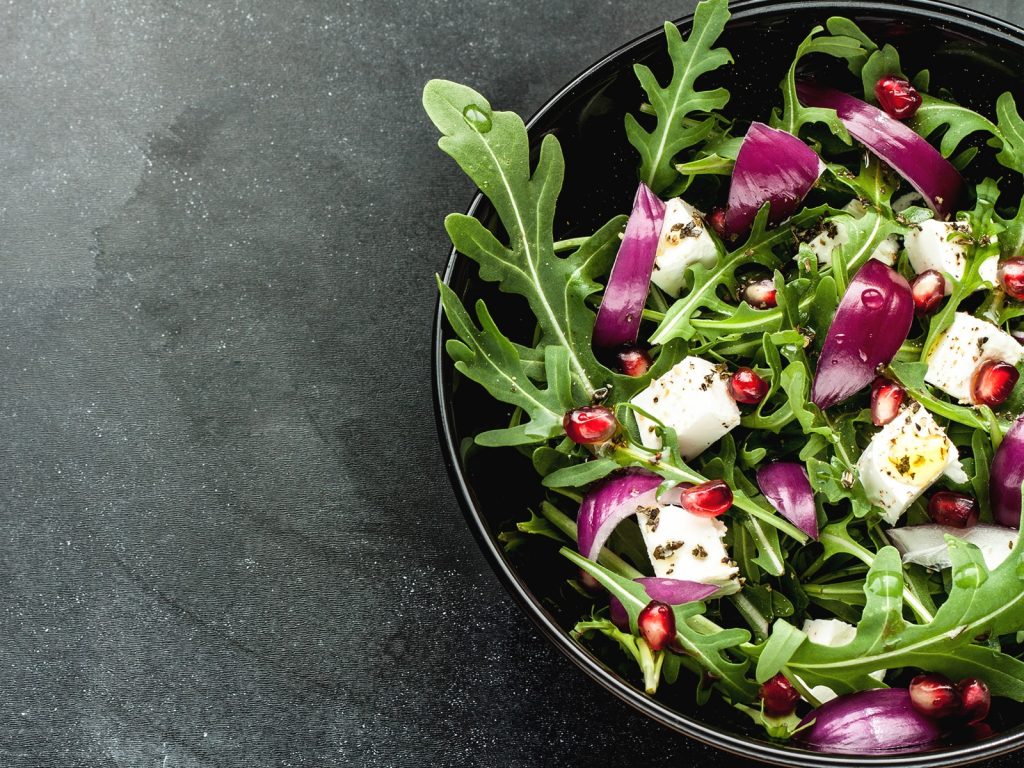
point(776, 408)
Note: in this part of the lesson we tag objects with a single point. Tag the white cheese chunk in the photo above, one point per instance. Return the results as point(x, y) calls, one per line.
point(692, 398)
point(834, 235)
point(833, 633)
point(942, 246)
point(682, 545)
point(904, 458)
point(926, 544)
point(684, 241)
point(961, 348)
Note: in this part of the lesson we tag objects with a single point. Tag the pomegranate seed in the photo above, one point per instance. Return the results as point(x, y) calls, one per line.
point(934, 695)
point(779, 696)
point(954, 509)
point(898, 97)
point(975, 700)
point(886, 399)
point(716, 219)
point(590, 424)
point(760, 294)
point(709, 499)
point(1011, 273)
point(633, 361)
point(747, 387)
point(657, 625)
point(993, 382)
point(928, 289)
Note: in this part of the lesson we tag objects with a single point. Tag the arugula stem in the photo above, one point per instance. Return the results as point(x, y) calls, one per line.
point(851, 547)
point(802, 688)
point(569, 245)
point(607, 558)
point(630, 455)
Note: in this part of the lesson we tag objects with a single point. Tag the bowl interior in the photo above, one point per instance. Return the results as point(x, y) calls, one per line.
point(972, 57)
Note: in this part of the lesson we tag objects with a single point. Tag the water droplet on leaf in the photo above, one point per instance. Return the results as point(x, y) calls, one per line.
point(885, 584)
point(477, 118)
point(968, 577)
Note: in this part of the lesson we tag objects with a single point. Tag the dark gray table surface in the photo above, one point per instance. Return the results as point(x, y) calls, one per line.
point(228, 539)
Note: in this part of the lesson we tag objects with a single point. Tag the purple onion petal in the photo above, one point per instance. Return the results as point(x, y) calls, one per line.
point(909, 154)
point(609, 504)
point(772, 166)
point(872, 321)
point(1006, 476)
point(668, 591)
point(785, 485)
point(676, 591)
point(618, 318)
point(869, 722)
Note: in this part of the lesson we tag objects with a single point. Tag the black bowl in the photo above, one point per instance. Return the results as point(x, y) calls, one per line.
point(974, 56)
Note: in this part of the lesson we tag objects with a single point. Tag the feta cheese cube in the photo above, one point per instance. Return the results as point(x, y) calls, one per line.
point(942, 246)
point(961, 348)
point(833, 633)
point(684, 241)
point(682, 545)
point(692, 398)
point(904, 458)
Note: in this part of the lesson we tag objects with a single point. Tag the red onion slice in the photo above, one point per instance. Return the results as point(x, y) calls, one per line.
point(869, 722)
point(1006, 476)
point(609, 504)
point(668, 591)
point(618, 318)
point(774, 167)
point(872, 321)
point(910, 155)
point(785, 485)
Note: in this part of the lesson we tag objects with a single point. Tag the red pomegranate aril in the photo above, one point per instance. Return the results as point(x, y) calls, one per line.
point(779, 696)
point(760, 294)
point(657, 625)
point(709, 499)
point(633, 361)
point(590, 424)
point(957, 510)
point(886, 399)
point(898, 97)
point(992, 383)
point(716, 220)
point(928, 290)
point(1011, 274)
point(975, 700)
point(934, 695)
point(747, 387)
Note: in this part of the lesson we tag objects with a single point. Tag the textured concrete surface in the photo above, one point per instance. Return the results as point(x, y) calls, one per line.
point(227, 539)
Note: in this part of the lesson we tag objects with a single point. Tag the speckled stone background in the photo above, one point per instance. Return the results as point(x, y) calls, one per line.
point(227, 538)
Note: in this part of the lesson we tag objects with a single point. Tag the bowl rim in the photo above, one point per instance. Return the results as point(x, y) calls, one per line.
point(934, 11)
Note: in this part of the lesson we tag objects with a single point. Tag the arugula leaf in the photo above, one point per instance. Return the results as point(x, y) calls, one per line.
point(680, 98)
point(955, 121)
point(1010, 133)
point(650, 663)
point(493, 149)
point(980, 603)
point(710, 650)
point(882, 61)
point(487, 357)
point(704, 282)
point(794, 114)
